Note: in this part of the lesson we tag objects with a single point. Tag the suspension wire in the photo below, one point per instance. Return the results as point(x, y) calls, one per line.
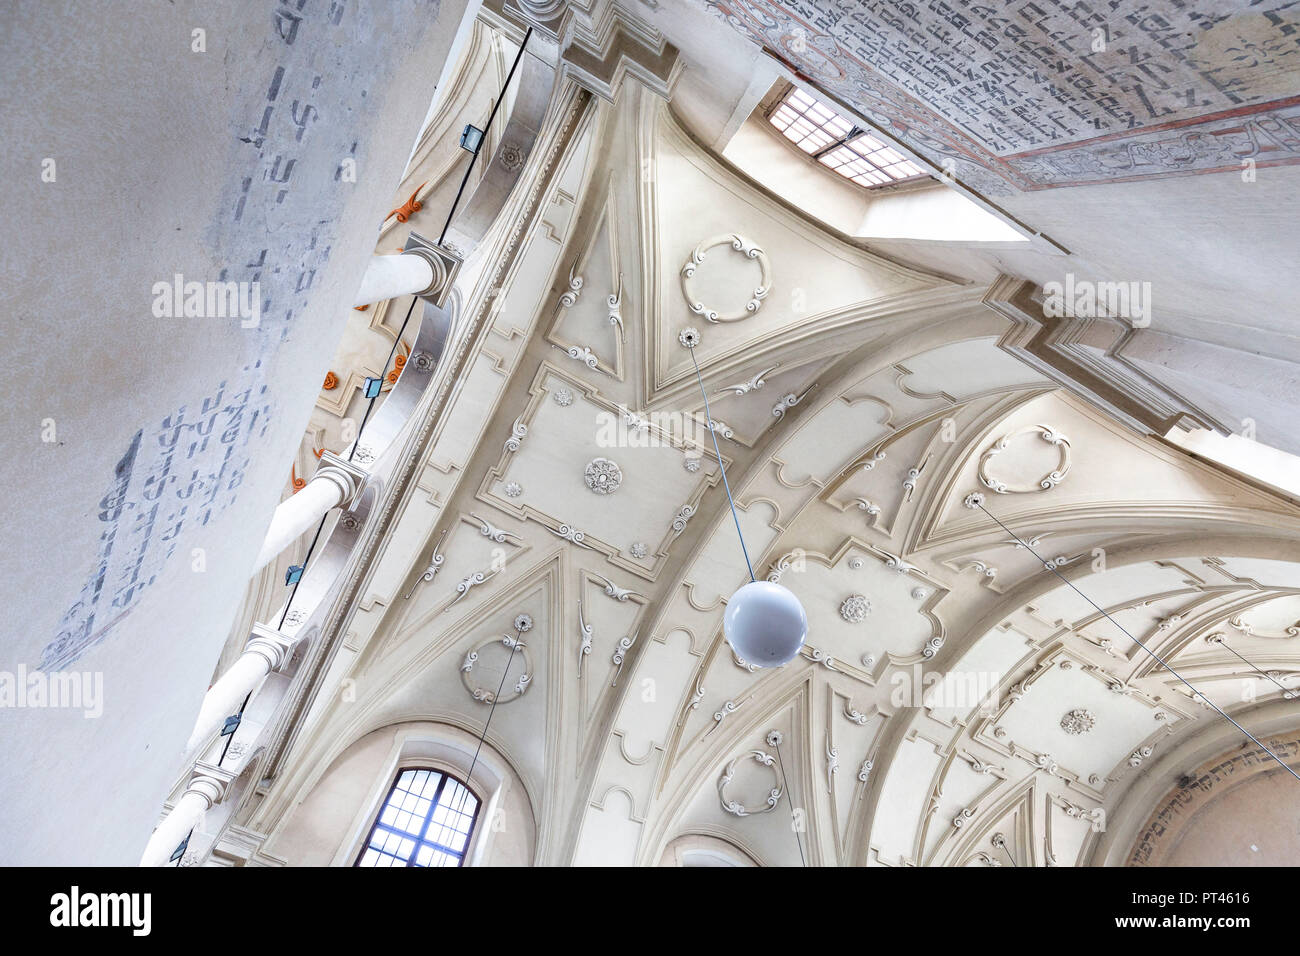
point(491, 116)
point(1052, 567)
point(398, 340)
point(1265, 674)
point(713, 432)
point(383, 375)
point(487, 723)
point(1008, 853)
point(793, 819)
point(231, 736)
point(285, 613)
point(181, 847)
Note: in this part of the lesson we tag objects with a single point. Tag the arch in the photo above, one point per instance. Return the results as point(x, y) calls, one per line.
point(701, 849)
point(329, 825)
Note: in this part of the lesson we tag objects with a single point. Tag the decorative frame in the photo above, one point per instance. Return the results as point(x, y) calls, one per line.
point(1047, 482)
point(746, 248)
point(485, 696)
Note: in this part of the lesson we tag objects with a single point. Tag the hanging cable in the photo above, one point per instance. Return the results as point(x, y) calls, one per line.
point(717, 451)
point(794, 821)
point(383, 375)
point(1052, 567)
point(487, 723)
point(491, 116)
point(1255, 667)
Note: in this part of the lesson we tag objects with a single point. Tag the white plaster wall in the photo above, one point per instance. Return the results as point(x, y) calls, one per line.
point(163, 167)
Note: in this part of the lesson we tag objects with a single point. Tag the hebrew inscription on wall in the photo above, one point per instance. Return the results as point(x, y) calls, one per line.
point(1013, 86)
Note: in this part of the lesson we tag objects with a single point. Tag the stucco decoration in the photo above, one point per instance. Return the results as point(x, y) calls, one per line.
point(1049, 480)
point(737, 808)
point(513, 646)
point(746, 248)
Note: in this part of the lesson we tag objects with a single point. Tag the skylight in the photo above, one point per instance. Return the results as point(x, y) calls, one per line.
point(835, 142)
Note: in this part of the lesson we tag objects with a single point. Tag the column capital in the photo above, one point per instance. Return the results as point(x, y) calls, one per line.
point(269, 643)
point(444, 263)
point(209, 782)
point(350, 478)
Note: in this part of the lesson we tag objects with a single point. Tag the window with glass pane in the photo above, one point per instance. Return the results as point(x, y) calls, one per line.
point(835, 142)
point(426, 821)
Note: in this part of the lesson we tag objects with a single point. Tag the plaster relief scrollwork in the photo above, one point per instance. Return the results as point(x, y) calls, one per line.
point(469, 582)
point(571, 534)
point(746, 248)
point(855, 716)
point(518, 432)
point(867, 506)
point(616, 592)
point(682, 517)
point(615, 303)
point(485, 695)
point(789, 401)
point(620, 653)
point(737, 808)
point(1136, 757)
point(729, 707)
point(913, 474)
point(583, 354)
point(753, 385)
point(864, 773)
point(1252, 630)
point(817, 656)
point(435, 565)
point(585, 632)
point(491, 531)
point(570, 298)
point(1046, 482)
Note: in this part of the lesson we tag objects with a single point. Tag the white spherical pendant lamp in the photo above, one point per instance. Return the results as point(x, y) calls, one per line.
point(765, 624)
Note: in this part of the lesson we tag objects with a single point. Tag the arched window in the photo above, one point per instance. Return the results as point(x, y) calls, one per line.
point(427, 820)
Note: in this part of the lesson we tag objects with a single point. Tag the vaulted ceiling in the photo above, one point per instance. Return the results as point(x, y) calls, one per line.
point(979, 551)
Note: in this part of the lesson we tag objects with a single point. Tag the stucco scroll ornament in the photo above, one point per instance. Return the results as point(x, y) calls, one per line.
point(585, 647)
point(518, 432)
point(753, 385)
point(485, 695)
point(620, 652)
point(491, 531)
point(735, 807)
point(1252, 630)
point(435, 565)
point(616, 592)
point(1046, 482)
point(570, 533)
point(746, 248)
point(471, 581)
point(615, 302)
point(570, 298)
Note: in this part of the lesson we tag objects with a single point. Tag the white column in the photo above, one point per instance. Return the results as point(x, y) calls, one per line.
point(267, 649)
point(388, 277)
point(207, 787)
point(336, 482)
